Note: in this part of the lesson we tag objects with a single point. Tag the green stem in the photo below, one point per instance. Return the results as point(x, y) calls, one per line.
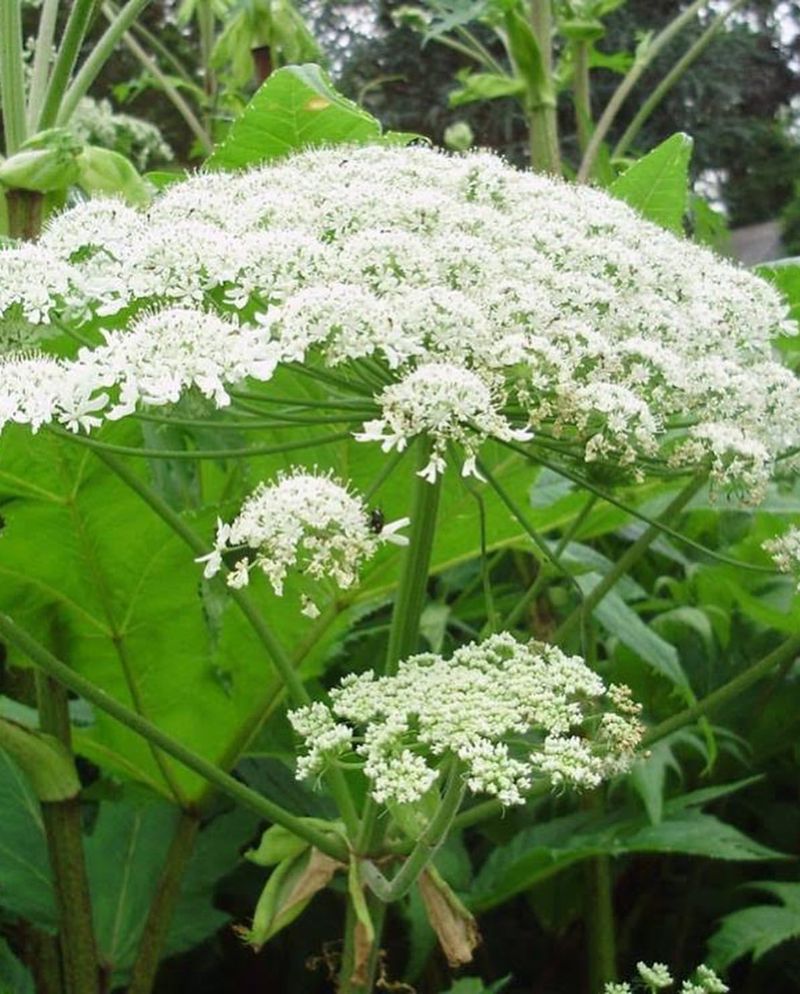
point(426, 846)
point(64, 833)
point(599, 919)
point(169, 89)
point(97, 58)
point(42, 58)
point(41, 955)
point(726, 693)
point(191, 454)
point(228, 785)
point(628, 559)
point(159, 915)
point(672, 77)
point(75, 31)
point(545, 151)
point(630, 80)
point(413, 584)
point(12, 84)
point(24, 209)
point(582, 95)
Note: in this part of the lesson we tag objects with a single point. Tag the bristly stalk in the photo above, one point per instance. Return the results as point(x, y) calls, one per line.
point(12, 86)
point(64, 833)
point(544, 144)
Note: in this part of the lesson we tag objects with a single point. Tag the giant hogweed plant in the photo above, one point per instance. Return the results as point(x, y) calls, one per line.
point(284, 395)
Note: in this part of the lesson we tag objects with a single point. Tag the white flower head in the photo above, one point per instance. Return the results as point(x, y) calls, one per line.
point(785, 552)
point(656, 976)
point(305, 521)
point(447, 403)
point(505, 712)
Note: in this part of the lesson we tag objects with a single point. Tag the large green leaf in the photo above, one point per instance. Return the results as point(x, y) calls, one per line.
point(658, 184)
point(125, 856)
point(535, 854)
point(296, 108)
point(25, 887)
point(754, 931)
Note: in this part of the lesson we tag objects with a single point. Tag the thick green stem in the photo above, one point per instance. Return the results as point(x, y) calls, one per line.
point(633, 76)
point(12, 85)
point(42, 58)
point(64, 833)
point(97, 58)
point(75, 31)
point(162, 906)
point(599, 920)
point(542, 116)
point(250, 799)
point(672, 77)
point(426, 846)
point(24, 208)
point(628, 559)
point(414, 578)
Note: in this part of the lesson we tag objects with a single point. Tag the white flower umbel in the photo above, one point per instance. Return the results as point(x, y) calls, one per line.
point(785, 552)
point(612, 338)
point(657, 977)
point(505, 712)
point(445, 402)
point(305, 521)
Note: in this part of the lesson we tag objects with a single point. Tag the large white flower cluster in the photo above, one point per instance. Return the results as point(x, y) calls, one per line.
point(656, 977)
point(504, 711)
point(306, 521)
point(566, 311)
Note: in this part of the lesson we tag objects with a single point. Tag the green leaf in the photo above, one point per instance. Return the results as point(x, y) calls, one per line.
point(485, 86)
point(657, 185)
point(296, 108)
point(45, 761)
point(785, 275)
point(277, 844)
point(622, 621)
point(124, 858)
point(756, 930)
point(14, 976)
point(474, 985)
point(100, 170)
point(537, 853)
point(25, 886)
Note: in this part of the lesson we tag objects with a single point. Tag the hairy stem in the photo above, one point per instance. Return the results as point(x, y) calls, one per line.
point(250, 799)
point(159, 914)
point(543, 120)
point(355, 978)
point(64, 833)
point(620, 95)
point(24, 209)
point(599, 914)
point(12, 85)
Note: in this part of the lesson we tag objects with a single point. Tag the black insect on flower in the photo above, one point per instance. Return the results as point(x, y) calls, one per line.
point(377, 520)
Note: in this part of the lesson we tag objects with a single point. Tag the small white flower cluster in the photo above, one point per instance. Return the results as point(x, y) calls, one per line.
point(506, 712)
point(97, 123)
point(656, 977)
point(785, 552)
point(518, 301)
point(305, 521)
point(449, 404)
